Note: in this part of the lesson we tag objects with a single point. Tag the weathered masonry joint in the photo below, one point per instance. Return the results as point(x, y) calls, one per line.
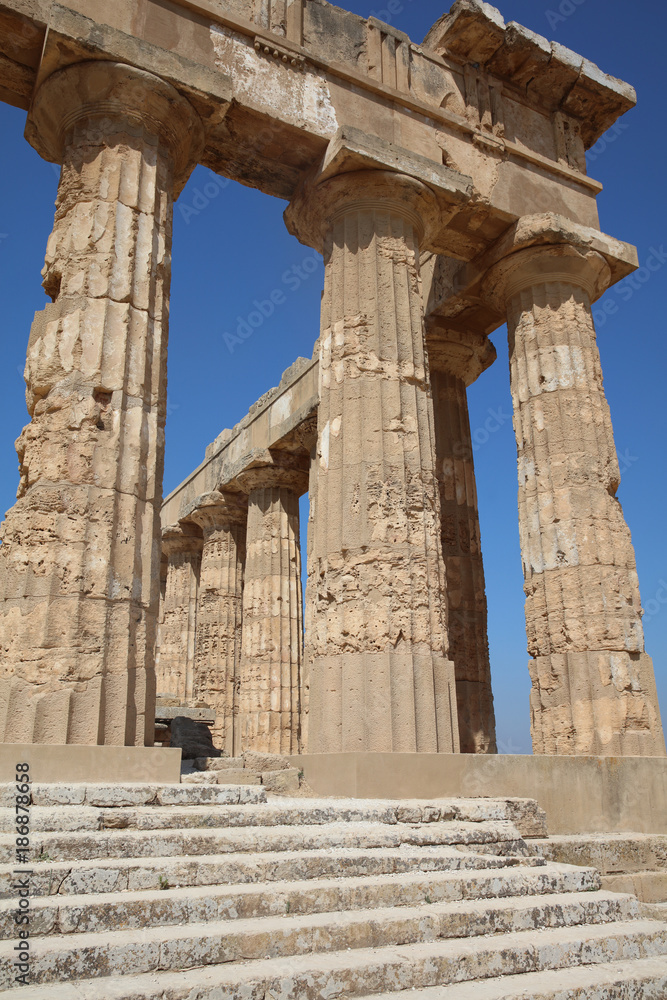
point(461, 204)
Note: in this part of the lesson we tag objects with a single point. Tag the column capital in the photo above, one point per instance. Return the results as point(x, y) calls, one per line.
point(541, 264)
point(106, 93)
point(181, 538)
point(274, 471)
point(216, 510)
point(464, 354)
point(318, 205)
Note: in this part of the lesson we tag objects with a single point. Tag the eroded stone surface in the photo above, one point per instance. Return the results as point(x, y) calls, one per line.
point(455, 361)
point(79, 563)
point(270, 673)
point(593, 684)
point(222, 518)
point(379, 675)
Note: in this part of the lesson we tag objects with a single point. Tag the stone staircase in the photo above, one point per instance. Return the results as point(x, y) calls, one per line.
point(627, 862)
point(214, 892)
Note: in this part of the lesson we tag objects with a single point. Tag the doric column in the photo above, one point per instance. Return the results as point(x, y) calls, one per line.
point(175, 655)
point(310, 602)
point(593, 684)
point(272, 607)
point(380, 676)
point(456, 360)
point(79, 573)
point(222, 518)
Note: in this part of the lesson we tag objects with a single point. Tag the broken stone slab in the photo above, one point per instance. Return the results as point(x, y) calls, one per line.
point(256, 761)
point(199, 778)
point(281, 782)
point(194, 738)
point(233, 776)
point(168, 713)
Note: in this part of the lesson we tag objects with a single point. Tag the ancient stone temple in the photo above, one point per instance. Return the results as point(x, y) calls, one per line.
point(445, 186)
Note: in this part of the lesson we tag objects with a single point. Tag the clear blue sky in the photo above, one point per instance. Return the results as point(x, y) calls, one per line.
point(234, 249)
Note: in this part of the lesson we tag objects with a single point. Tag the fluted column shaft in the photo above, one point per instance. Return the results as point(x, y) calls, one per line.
point(380, 676)
point(310, 597)
point(79, 574)
point(222, 518)
point(175, 654)
point(455, 361)
point(272, 613)
point(593, 684)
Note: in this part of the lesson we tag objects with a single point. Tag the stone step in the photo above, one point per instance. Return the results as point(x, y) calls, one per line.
point(610, 853)
point(135, 910)
point(286, 812)
point(498, 837)
point(118, 795)
point(80, 956)
point(135, 874)
point(641, 979)
point(364, 972)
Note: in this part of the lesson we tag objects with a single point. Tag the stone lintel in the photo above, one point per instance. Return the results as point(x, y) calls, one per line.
point(461, 293)
point(549, 73)
point(170, 712)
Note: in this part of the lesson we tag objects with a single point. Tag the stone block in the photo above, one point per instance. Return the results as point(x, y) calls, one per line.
point(265, 761)
point(284, 782)
point(218, 763)
point(232, 776)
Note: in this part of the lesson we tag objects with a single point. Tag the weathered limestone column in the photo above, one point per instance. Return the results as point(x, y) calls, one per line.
point(310, 602)
point(222, 518)
point(175, 654)
point(380, 676)
point(593, 684)
point(79, 564)
point(456, 360)
point(272, 608)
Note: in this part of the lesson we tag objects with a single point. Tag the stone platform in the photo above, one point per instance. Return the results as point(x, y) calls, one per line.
point(578, 794)
point(175, 891)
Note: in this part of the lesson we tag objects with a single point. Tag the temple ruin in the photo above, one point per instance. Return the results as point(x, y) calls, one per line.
point(445, 186)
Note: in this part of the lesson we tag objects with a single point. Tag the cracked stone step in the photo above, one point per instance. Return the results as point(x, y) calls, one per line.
point(298, 812)
point(107, 794)
point(498, 837)
point(136, 910)
point(80, 956)
point(134, 874)
point(641, 979)
point(368, 971)
point(91, 806)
